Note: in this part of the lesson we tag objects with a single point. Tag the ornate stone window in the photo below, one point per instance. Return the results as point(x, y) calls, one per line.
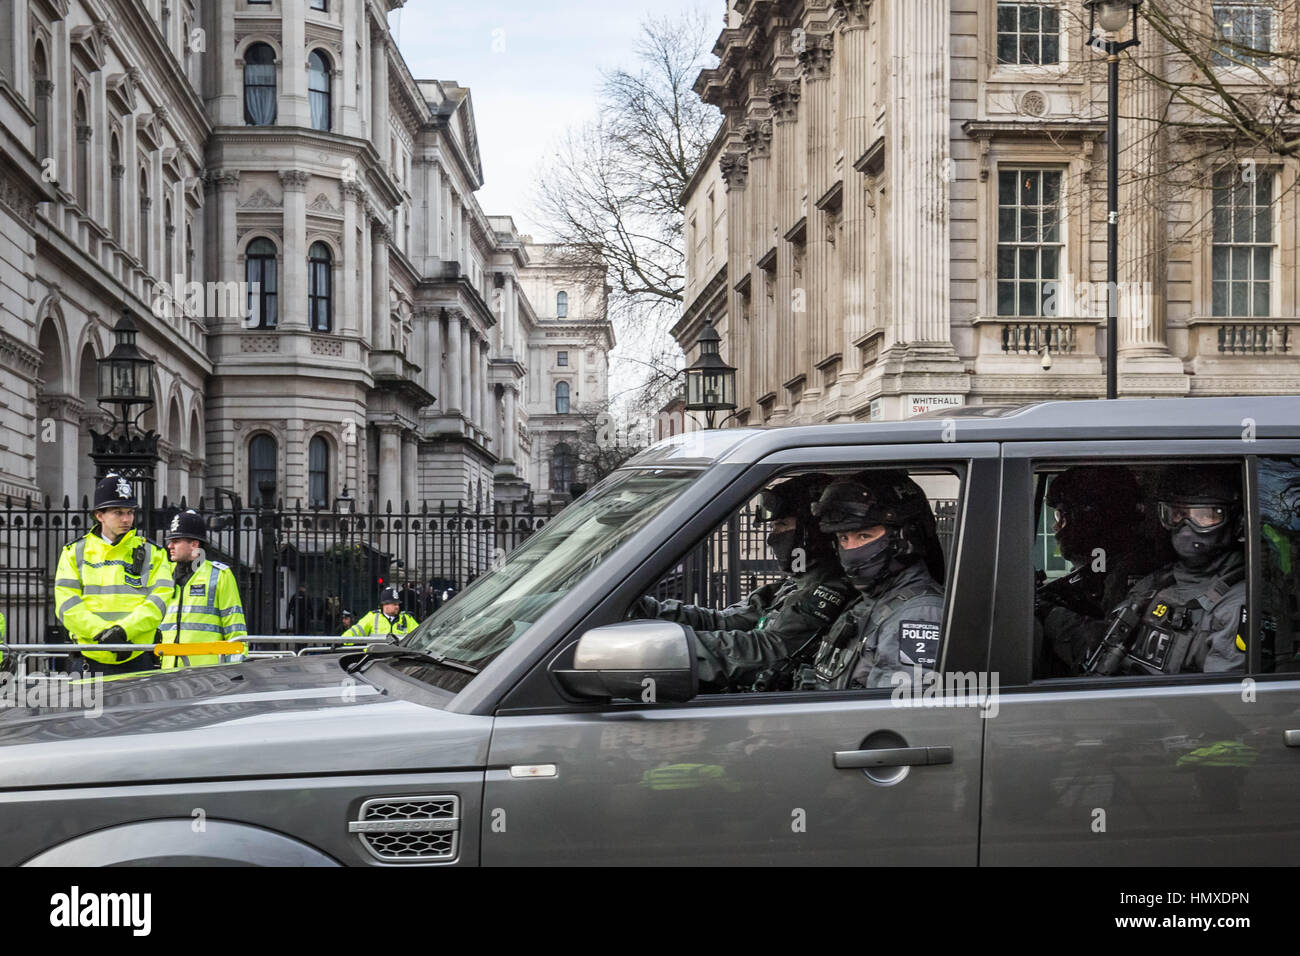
point(44, 88)
point(259, 85)
point(319, 298)
point(561, 398)
point(318, 472)
point(1029, 34)
point(1240, 29)
point(1243, 242)
point(1030, 244)
point(83, 131)
point(562, 305)
point(561, 468)
point(318, 89)
point(262, 457)
point(261, 275)
point(561, 359)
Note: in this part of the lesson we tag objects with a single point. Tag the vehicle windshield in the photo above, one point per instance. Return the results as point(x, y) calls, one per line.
point(498, 609)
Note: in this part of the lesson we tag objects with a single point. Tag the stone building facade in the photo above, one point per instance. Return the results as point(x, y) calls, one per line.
point(567, 387)
point(905, 209)
point(290, 217)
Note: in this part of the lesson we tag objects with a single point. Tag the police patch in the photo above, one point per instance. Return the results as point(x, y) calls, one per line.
point(918, 643)
point(196, 589)
point(825, 603)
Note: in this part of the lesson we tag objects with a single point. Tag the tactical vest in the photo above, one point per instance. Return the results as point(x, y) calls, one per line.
point(839, 653)
point(1162, 641)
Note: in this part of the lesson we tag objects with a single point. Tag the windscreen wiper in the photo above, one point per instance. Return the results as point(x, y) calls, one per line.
point(398, 652)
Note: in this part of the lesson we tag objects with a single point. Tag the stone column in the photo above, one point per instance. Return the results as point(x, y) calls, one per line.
point(353, 307)
point(293, 109)
point(469, 371)
point(1143, 236)
point(758, 192)
point(784, 97)
point(510, 441)
point(382, 338)
point(484, 403)
point(293, 259)
point(390, 466)
point(855, 52)
point(431, 358)
point(409, 456)
point(814, 324)
point(918, 170)
point(452, 401)
point(379, 94)
point(226, 182)
point(475, 382)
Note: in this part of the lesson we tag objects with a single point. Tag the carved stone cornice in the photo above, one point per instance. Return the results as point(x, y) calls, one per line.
point(352, 189)
point(784, 97)
point(66, 408)
point(815, 54)
point(16, 199)
point(294, 180)
point(758, 137)
point(853, 13)
point(735, 169)
point(380, 231)
point(222, 179)
point(16, 355)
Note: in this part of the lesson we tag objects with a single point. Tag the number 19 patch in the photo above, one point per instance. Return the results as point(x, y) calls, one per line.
point(918, 643)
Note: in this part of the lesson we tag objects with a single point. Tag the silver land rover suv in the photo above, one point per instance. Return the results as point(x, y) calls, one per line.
point(542, 717)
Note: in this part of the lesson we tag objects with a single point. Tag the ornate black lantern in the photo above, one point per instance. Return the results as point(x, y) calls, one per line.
point(126, 380)
point(710, 382)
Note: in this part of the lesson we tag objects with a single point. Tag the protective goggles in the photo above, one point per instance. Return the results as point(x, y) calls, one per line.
point(1201, 517)
point(769, 506)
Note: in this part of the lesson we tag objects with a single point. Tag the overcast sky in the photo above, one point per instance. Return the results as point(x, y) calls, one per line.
point(532, 67)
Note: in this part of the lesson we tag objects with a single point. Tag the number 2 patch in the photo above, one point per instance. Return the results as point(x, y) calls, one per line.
point(918, 643)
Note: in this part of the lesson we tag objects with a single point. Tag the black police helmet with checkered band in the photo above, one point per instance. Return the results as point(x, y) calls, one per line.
point(188, 524)
point(114, 491)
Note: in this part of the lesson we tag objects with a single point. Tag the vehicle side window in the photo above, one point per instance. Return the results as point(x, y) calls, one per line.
point(771, 601)
point(1279, 525)
point(1154, 577)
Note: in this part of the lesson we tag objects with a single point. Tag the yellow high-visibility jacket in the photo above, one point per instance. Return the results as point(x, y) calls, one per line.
point(376, 623)
point(98, 584)
point(205, 608)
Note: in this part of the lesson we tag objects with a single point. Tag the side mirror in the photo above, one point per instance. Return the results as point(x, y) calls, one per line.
point(649, 661)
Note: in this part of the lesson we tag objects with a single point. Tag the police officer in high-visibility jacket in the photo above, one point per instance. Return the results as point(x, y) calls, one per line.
point(111, 586)
point(205, 605)
point(389, 620)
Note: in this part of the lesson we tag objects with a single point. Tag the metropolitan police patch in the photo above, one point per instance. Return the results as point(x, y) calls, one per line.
point(825, 603)
point(918, 643)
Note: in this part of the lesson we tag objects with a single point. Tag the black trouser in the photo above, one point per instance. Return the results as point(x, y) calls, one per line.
point(145, 662)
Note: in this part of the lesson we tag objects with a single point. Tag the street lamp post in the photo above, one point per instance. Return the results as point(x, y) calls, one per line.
point(1112, 16)
point(710, 382)
point(125, 379)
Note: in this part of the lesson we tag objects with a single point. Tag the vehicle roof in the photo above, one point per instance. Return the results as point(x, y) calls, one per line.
point(1087, 420)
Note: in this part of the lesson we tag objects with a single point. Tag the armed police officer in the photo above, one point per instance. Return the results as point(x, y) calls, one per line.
point(889, 549)
point(754, 643)
point(1191, 614)
point(112, 586)
point(204, 605)
point(390, 620)
point(1100, 530)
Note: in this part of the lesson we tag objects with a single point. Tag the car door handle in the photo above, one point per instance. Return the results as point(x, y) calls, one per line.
point(1292, 737)
point(892, 757)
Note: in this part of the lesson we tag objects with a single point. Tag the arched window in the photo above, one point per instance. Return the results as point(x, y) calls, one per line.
point(261, 467)
point(561, 398)
point(117, 171)
point(145, 203)
point(318, 472)
point(189, 252)
point(44, 93)
point(319, 300)
point(562, 305)
point(561, 468)
point(318, 89)
point(259, 85)
point(83, 131)
point(260, 274)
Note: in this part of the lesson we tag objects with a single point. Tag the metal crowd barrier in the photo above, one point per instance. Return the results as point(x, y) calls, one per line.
point(229, 651)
